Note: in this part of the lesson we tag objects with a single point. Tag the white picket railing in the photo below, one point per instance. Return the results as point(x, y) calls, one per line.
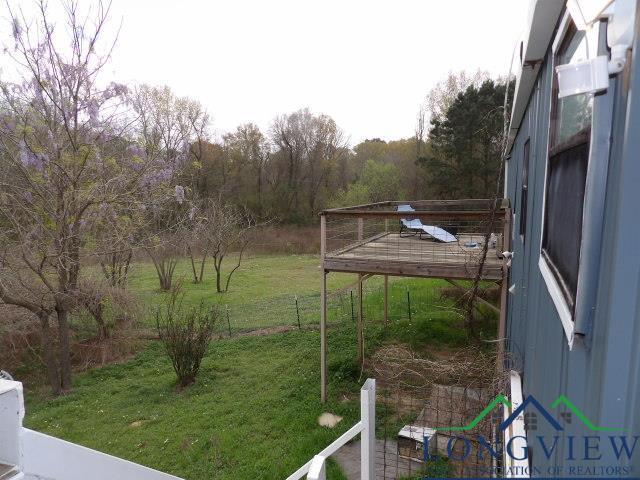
point(34, 455)
point(515, 468)
point(315, 469)
point(31, 455)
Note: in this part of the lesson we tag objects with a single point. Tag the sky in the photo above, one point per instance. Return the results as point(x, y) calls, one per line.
point(368, 64)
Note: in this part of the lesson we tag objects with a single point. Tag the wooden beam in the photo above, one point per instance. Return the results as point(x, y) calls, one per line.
point(480, 204)
point(364, 205)
point(348, 287)
point(410, 269)
point(422, 215)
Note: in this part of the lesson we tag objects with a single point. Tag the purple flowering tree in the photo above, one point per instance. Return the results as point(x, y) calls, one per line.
point(65, 162)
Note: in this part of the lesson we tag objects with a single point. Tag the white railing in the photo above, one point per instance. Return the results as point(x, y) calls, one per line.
point(315, 469)
point(34, 455)
point(515, 468)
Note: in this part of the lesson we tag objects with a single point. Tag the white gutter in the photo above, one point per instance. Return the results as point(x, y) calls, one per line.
point(543, 17)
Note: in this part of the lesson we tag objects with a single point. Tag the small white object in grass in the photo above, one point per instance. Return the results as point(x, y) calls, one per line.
point(329, 420)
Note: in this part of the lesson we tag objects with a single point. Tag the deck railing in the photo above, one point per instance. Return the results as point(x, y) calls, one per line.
point(29, 455)
point(315, 469)
point(378, 238)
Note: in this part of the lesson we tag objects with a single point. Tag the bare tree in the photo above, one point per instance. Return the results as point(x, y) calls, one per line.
point(61, 132)
point(310, 147)
point(250, 151)
point(227, 230)
point(420, 130)
point(115, 237)
point(108, 306)
point(440, 98)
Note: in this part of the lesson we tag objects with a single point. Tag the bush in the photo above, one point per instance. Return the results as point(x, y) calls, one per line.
point(186, 334)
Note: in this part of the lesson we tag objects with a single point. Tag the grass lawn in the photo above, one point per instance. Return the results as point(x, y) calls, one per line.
point(262, 292)
point(252, 413)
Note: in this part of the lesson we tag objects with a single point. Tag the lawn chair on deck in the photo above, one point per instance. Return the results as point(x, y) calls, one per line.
point(415, 226)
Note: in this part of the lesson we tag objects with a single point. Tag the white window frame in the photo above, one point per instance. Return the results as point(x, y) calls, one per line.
point(566, 317)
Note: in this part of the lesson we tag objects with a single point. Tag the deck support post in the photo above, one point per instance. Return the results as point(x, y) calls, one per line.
point(323, 339)
point(360, 327)
point(360, 321)
point(504, 291)
point(386, 301)
point(323, 313)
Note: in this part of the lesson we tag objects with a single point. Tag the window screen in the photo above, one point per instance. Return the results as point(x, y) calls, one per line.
point(570, 132)
point(524, 191)
point(566, 176)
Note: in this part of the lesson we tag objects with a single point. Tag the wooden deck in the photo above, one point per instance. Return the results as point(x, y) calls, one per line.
point(393, 254)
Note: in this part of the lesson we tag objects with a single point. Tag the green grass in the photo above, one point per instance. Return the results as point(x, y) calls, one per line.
point(253, 411)
point(251, 414)
point(262, 292)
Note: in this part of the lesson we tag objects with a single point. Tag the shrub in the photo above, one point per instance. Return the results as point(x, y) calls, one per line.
point(185, 333)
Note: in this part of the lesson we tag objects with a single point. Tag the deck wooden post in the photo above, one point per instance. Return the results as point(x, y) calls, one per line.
point(323, 313)
point(360, 322)
point(386, 301)
point(323, 339)
point(360, 302)
point(504, 291)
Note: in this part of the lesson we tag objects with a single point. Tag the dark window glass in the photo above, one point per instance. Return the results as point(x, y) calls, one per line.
point(570, 132)
point(525, 190)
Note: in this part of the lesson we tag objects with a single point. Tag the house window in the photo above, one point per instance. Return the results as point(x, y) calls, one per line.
point(569, 142)
point(524, 193)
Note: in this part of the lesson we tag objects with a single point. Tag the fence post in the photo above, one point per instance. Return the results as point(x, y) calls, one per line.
point(409, 303)
point(317, 469)
point(228, 319)
point(353, 315)
point(298, 313)
point(368, 435)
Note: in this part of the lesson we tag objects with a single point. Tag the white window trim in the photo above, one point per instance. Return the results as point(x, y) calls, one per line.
point(558, 300)
point(562, 307)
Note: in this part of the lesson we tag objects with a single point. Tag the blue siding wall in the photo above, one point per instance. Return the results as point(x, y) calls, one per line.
point(601, 373)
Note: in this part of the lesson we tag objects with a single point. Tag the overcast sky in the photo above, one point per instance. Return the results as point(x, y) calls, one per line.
point(366, 63)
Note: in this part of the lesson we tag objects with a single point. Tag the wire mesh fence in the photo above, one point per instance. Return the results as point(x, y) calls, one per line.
point(432, 417)
point(409, 300)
